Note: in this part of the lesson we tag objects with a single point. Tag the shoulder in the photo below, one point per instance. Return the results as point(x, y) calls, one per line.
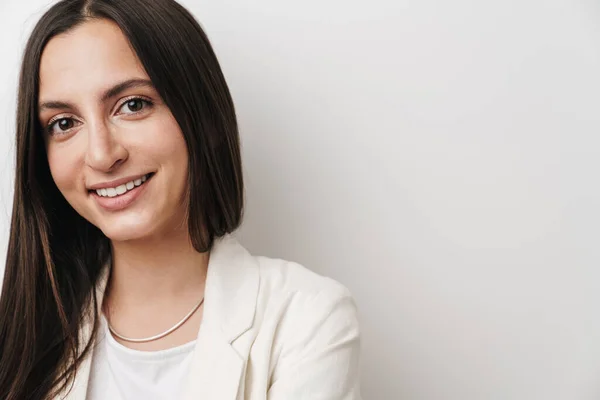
point(242, 283)
point(299, 300)
point(309, 325)
point(274, 293)
point(301, 328)
point(284, 276)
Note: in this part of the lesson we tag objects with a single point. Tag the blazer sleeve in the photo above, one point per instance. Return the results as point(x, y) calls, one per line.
point(320, 357)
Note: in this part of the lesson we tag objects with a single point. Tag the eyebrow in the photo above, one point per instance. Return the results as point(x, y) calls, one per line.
point(108, 94)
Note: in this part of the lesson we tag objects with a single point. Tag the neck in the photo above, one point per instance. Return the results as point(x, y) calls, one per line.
point(161, 270)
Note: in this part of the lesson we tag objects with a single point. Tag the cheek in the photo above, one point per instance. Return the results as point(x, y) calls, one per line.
point(168, 146)
point(175, 159)
point(64, 169)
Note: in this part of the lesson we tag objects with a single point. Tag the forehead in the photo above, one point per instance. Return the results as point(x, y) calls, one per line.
point(85, 60)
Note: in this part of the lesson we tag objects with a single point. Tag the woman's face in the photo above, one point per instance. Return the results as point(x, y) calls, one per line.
point(115, 151)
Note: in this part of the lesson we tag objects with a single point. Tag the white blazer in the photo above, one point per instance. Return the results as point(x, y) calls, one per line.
point(271, 329)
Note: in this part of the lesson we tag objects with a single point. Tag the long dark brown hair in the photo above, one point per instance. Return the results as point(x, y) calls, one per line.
point(55, 256)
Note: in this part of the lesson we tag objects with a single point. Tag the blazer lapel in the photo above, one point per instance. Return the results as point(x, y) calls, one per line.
point(230, 303)
point(79, 389)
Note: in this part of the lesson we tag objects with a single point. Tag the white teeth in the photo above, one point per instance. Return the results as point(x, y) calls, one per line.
point(121, 189)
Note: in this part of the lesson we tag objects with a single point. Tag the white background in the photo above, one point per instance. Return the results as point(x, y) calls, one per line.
point(440, 158)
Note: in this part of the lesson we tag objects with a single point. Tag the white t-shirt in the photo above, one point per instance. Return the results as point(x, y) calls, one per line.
point(121, 373)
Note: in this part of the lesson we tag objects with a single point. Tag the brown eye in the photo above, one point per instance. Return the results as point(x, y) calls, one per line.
point(135, 105)
point(60, 126)
point(65, 124)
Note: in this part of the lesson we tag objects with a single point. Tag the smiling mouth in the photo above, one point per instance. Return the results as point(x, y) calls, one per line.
point(124, 188)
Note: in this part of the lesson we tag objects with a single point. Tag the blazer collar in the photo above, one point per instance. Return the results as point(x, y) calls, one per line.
point(231, 288)
point(231, 293)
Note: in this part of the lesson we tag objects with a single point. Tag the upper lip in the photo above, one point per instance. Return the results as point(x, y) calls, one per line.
point(115, 183)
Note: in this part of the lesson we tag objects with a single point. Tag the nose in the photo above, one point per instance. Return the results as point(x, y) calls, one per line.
point(104, 151)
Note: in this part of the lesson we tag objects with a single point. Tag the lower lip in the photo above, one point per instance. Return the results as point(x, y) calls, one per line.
point(122, 201)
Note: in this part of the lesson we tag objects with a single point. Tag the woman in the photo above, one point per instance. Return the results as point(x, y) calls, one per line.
point(122, 280)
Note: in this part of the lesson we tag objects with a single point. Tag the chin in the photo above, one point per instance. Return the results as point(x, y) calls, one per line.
point(121, 231)
point(137, 228)
point(136, 225)
point(122, 235)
